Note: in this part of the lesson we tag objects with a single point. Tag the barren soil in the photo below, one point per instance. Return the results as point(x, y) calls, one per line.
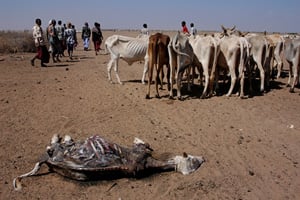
point(251, 146)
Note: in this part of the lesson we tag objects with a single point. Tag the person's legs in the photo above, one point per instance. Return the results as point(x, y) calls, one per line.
point(86, 44)
point(38, 55)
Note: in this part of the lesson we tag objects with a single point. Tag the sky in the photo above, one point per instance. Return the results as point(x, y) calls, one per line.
point(207, 15)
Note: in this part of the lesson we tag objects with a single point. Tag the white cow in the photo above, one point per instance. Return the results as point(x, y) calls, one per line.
point(263, 50)
point(129, 49)
point(181, 57)
point(292, 56)
point(234, 51)
point(276, 43)
point(206, 49)
point(260, 57)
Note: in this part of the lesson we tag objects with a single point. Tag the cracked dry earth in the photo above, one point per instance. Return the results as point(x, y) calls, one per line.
point(251, 146)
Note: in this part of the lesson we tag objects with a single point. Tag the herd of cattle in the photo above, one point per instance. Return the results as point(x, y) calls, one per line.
point(231, 53)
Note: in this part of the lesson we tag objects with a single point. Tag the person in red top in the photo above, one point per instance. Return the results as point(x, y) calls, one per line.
point(184, 28)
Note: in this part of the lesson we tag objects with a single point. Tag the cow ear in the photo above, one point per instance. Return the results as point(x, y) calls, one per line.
point(185, 155)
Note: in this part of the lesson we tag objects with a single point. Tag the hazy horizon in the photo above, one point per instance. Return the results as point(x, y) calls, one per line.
point(270, 16)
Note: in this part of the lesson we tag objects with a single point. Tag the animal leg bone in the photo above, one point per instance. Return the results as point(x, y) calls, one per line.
point(17, 181)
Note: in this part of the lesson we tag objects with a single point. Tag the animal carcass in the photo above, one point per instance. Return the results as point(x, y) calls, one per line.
point(97, 158)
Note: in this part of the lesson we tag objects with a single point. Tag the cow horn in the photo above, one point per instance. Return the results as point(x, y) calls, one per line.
point(223, 28)
point(232, 28)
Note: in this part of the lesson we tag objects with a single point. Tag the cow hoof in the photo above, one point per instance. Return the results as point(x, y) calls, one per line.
point(170, 97)
point(180, 98)
point(292, 90)
point(147, 96)
point(243, 97)
point(203, 96)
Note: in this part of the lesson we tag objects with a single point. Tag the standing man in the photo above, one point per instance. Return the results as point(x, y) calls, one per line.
point(145, 30)
point(71, 39)
point(61, 37)
point(97, 37)
point(193, 30)
point(54, 41)
point(85, 35)
point(42, 52)
point(184, 28)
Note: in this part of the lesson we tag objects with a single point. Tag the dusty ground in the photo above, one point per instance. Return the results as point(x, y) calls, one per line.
point(252, 146)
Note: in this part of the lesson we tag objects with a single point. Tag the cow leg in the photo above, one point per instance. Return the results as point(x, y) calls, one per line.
point(290, 74)
point(109, 66)
point(173, 63)
point(232, 84)
point(158, 71)
point(242, 81)
point(267, 78)
point(17, 181)
point(217, 86)
point(172, 79)
point(116, 71)
point(279, 59)
point(150, 74)
point(179, 79)
point(295, 72)
point(206, 75)
point(162, 75)
point(180, 73)
point(146, 68)
point(189, 79)
point(279, 67)
point(262, 76)
point(233, 77)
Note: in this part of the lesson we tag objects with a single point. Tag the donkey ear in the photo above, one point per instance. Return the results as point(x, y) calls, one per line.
point(185, 155)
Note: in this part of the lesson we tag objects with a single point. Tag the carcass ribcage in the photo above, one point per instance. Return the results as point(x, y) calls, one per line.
point(95, 152)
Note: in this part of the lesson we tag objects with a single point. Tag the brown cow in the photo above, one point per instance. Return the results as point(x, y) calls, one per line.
point(158, 57)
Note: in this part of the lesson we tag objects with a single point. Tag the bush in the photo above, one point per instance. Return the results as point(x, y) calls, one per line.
point(16, 41)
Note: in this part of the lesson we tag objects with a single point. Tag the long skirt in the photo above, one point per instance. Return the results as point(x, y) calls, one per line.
point(97, 45)
point(43, 54)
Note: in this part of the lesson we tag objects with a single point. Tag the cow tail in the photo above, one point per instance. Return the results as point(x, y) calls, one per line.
point(242, 63)
point(216, 52)
point(267, 49)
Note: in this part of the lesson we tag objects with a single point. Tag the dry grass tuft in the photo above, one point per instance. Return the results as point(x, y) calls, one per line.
point(16, 41)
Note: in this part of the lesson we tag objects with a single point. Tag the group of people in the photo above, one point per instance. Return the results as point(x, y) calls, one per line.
point(185, 30)
point(95, 33)
point(62, 37)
